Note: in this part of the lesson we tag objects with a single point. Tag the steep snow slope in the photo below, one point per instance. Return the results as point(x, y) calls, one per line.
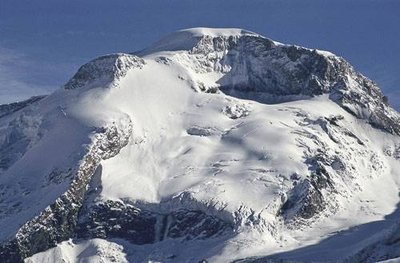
point(94, 251)
point(212, 144)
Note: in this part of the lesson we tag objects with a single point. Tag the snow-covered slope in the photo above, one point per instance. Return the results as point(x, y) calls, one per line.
point(214, 144)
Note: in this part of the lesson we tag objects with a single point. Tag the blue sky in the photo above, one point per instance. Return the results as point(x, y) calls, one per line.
point(43, 42)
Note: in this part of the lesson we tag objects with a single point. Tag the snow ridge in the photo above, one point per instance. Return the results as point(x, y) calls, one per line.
point(7, 109)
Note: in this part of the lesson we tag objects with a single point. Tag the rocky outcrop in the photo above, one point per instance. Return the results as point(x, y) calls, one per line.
point(58, 221)
point(260, 69)
point(114, 219)
point(306, 198)
point(108, 68)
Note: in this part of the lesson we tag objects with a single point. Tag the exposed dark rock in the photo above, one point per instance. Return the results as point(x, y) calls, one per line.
point(109, 68)
point(119, 220)
point(194, 225)
point(115, 219)
point(257, 68)
point(58, 221)
point(202, 131)
point(306, 199)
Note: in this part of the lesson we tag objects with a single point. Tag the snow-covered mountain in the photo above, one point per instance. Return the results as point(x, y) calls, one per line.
point(212, 144)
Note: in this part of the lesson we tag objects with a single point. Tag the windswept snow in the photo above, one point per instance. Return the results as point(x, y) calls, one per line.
point(187, 38)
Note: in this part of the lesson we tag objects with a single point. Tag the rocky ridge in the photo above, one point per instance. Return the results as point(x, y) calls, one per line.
point(258, 68)
point(58, 221)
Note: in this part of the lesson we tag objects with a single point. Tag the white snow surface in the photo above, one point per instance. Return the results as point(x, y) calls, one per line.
point(185, 39)
point(203, 151)
point(94, 251)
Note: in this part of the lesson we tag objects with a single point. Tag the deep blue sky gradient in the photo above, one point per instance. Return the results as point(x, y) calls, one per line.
point(43, 42)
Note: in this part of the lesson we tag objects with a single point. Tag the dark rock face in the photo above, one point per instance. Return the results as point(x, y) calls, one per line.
point(314, 194)
point(277, 70)
point(194, 225)
point(305, 200)
point(115, 219)
point(58, 221)
point(119, 220)
point(258, 68)
point(109, 68)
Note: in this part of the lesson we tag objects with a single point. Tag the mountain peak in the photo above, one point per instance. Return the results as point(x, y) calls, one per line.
point(186, 39)
point(190, 143)
point(215, 32)
point(249, 66)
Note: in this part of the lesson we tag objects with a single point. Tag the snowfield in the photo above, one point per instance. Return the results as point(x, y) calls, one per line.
point(215, 144)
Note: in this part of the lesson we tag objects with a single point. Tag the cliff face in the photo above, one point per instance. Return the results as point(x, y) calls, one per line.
point(258, 68)
point(58, 221)
point(208, 142)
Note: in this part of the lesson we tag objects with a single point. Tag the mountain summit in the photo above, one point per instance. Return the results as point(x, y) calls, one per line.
point(211, 144)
